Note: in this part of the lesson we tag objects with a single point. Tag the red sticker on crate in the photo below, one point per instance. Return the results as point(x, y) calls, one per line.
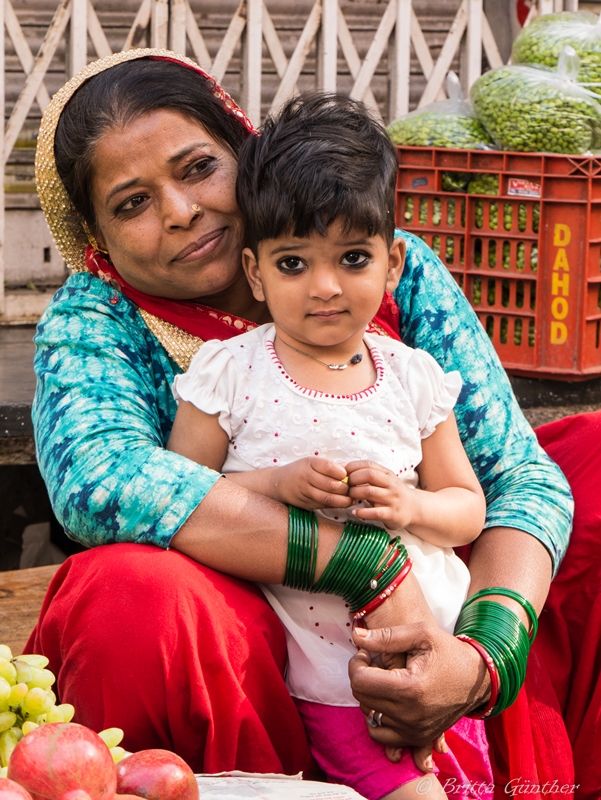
point(522, 188)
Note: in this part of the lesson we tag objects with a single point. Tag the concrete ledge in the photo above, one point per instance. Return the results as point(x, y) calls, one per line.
point(23, 306)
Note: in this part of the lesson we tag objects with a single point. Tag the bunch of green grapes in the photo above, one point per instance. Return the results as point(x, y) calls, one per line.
point(27, 701)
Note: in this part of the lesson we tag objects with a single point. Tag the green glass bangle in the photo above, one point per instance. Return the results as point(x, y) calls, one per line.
point(501, 633)
point(363, 564)
point(354, 560)
point(302, 549)
point(501, 590)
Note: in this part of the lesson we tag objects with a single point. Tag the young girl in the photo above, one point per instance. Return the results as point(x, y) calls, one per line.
point(319, 410)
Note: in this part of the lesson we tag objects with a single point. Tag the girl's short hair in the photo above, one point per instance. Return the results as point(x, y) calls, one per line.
point(323, 158)
point(122, 94)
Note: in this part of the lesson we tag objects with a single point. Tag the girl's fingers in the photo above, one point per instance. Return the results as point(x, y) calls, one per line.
point(329, 469)
point(373, 477)
point(379, 514)
point(322, 483)
point(373, 494)
point(440, 744)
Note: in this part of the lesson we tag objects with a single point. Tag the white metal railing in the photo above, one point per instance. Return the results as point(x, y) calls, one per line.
point(171, 23)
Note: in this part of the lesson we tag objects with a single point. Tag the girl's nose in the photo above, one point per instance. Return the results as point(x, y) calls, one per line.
point(324, 284)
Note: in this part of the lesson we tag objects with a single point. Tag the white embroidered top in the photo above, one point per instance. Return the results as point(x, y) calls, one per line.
point(271, 420)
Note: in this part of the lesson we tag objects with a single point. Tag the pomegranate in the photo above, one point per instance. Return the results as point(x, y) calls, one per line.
point(156, 775)
point(75, 794)
point(9, 790)
point(60, 757)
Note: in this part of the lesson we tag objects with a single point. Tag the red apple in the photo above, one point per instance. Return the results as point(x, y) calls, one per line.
point(9, 790)
point(156, 775)
point(60, 757)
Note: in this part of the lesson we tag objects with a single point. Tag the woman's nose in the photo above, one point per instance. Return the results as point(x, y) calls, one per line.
point(179, 211)
point(324, 283)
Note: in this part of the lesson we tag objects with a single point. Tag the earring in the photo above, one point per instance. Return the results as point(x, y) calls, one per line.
point(195, 208)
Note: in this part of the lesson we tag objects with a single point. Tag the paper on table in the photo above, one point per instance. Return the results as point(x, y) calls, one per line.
point(236, 785)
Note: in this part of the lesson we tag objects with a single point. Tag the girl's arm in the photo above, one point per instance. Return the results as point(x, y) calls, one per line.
point(448, 509)
point(308, 483)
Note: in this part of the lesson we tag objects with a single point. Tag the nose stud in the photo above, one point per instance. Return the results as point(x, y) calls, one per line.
point(195, 208)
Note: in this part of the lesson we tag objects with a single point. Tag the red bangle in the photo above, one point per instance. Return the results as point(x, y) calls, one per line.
point(494, 678)
point(379, 599)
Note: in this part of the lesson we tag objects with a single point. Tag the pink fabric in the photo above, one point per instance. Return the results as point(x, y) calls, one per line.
point(341, 745)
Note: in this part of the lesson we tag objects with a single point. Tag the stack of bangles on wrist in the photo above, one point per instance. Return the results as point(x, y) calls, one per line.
point(365, 568)
point(498, 634)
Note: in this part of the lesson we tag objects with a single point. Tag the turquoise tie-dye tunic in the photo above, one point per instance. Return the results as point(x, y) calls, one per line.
point(103, 412)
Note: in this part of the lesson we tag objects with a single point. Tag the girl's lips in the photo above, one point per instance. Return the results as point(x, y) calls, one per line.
point(326, 314)
point(201, 247)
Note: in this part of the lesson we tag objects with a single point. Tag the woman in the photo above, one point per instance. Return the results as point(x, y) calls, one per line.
point(180, 655)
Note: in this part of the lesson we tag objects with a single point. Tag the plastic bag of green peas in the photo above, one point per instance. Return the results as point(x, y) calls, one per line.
point(534, 109)
point(544, 39)
point(447, 123)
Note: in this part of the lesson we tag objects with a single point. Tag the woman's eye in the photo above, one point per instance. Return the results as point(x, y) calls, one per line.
point(355, 259)
point(202, 167)
point(132, 203)
point(291, 264)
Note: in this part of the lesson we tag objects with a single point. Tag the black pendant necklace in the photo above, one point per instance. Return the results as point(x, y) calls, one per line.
point(356, 359)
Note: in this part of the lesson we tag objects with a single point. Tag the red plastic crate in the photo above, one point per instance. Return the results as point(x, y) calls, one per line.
point(528, 259)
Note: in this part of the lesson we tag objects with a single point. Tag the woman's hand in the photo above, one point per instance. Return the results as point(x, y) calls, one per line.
point(443, 680)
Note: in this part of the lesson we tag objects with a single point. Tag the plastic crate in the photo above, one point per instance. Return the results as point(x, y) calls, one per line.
point(527, 259)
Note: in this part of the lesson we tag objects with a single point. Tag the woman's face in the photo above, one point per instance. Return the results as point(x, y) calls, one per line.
point(164, 195)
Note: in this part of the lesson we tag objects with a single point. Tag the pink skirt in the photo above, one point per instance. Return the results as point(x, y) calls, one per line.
point(341, 745)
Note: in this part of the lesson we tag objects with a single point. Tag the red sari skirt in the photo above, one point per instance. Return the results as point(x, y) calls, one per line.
point(191, 660)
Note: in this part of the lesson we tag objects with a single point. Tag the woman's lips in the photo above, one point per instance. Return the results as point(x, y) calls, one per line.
point(201, 247)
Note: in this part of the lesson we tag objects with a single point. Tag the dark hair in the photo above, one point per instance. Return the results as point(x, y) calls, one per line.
point(324, 158)
point(122, 94)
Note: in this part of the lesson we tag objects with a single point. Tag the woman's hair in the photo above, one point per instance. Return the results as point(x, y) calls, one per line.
point(324, 158)
point(122, 94)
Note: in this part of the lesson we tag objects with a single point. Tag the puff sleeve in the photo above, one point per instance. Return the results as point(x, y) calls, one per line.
point(433, 393)
point(210, 382)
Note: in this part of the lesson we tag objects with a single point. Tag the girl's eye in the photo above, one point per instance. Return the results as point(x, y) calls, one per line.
point(355, 259)
point(132, 203)
point(291, 264)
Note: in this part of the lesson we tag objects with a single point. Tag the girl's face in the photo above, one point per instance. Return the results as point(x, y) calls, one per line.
point(164, 195)
point(322, 291)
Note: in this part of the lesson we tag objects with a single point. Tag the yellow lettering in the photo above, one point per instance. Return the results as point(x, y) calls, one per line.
point(561, 261)
point(559, 308)
point(560, 284)
point(559, 333)
point(563, 235)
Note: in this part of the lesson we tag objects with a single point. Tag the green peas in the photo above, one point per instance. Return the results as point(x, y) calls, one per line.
point(543, 40)
point(527, 109)
point(445, 124)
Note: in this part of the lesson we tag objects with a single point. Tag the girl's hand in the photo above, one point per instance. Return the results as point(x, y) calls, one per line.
point(311, 483)
point(391, 501)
